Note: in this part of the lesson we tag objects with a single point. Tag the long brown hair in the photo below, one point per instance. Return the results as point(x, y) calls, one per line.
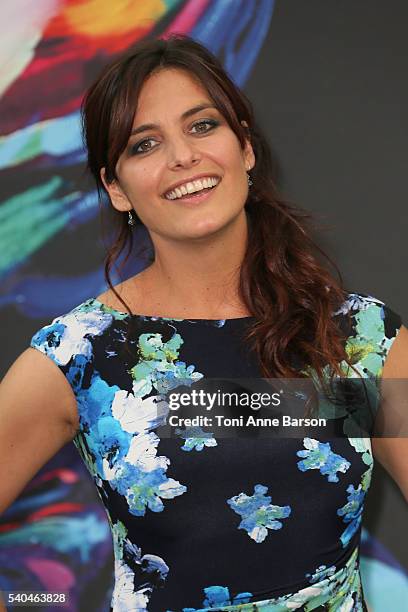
point(291, 295)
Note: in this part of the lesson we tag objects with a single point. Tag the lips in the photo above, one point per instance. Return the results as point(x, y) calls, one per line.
point(195, 194)
point(190, 180)
point(194, 200)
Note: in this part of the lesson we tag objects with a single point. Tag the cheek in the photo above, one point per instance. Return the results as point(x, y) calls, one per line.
point(231, 155)
point(140, 181)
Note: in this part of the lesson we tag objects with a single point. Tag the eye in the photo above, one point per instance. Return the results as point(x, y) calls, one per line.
point(135, 149)
point(211, 122)
point(139, 148)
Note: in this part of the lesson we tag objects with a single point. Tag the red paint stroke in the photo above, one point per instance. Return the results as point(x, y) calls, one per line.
point(64, 474)
point(187, 18)
point(53, 575)
point(6, 527)
point(51, 510)
point(62, 508)
point(55, 80)
point(114, 41)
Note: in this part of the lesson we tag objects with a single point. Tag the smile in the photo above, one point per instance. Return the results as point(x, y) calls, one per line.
point(185, 190)
point(192, 200)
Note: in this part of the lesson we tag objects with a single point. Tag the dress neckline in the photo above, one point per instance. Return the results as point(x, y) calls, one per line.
point(124, 315)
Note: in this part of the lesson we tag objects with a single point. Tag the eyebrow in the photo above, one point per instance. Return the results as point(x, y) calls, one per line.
point(185, 115)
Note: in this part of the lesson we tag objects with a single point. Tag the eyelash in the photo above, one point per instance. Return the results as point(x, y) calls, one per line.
point(212, 122)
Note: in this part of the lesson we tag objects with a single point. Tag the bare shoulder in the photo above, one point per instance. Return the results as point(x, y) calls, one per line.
point(396, 363)
point(391, 449)
point(38, 390)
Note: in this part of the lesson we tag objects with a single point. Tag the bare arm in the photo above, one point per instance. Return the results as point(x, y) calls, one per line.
point(38, 416)
point(392, 453)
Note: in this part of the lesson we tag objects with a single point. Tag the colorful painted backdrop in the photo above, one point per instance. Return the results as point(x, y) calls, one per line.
point(55, 536)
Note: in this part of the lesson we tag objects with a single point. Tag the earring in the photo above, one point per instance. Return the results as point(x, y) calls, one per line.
point(131, 221)
point(250, 181)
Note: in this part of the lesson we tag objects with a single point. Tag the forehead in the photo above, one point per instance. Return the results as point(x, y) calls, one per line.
point(169, 91)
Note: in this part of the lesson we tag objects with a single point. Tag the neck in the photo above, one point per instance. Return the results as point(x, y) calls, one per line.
point(200, 277)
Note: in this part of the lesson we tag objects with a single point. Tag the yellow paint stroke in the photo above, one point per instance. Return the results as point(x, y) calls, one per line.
point(103, 18)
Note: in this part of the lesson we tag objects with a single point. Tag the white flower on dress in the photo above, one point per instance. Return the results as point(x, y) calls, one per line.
point(298, 600)
point(136, 414)
point(124, 597)
point(362, 445)
point(355, 301)
point(65, 337)
point(142, 453)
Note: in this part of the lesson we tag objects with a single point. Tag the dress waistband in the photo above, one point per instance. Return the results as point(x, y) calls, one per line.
point(329, 590)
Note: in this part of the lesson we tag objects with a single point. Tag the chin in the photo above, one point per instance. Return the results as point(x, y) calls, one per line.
point(203, 228)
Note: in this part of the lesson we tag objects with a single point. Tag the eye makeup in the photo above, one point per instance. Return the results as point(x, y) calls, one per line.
point(135, 148)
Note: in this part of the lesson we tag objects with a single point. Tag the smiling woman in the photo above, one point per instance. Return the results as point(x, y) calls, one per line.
point(202, 521)
point(183, 144)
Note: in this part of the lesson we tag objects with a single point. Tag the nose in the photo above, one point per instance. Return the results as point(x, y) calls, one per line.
point(182, 152)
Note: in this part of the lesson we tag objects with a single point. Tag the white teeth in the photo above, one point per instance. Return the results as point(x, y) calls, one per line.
point(191, 187)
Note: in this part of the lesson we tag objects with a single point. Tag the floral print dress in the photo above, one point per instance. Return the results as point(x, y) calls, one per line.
point(200, 523)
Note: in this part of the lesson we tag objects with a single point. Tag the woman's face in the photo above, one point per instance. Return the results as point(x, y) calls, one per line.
point(178, 149)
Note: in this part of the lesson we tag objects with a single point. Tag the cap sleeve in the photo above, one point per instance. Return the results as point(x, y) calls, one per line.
point(58, 341)
point(67, 341)
point(375, 326)
point(391, 325)
point(392, 322)
point(391, 419)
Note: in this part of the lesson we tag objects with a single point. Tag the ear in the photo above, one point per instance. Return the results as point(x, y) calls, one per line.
point(118, 197)
point(249, 155)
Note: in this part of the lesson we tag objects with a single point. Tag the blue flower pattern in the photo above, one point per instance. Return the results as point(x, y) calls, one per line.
point(321, 573)
point(216, 596)
point(258, 514)
point(119, 441)
point(351, 512)
point(319, 456)
point(195, 438)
